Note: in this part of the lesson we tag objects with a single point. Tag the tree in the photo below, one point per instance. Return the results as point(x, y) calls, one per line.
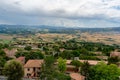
point(34, 55)
point(61, 65)
point(2, 53)
point(2, 62)
point(76, 53)
point(76, 63)
point(47, 69)
point(66, 54)
point(84, 51)
point(102, 71)
point(85, 57)
point(85, 69)
point(30, 55)
point(49, 72)
point(20, 53)
point(49, 61)
point(56, 48)
point(6, 45)
point(61, 76)
point(106, 51)
point(1, 46)
point(2, 58)
point(28, 48)
point(113, 60)
point(13, 70)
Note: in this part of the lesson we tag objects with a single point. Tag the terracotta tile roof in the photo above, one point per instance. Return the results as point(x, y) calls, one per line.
point(21, 59)
point(91, 62)
point(76, 76)
point(33, 63)
point(10, 53)
point(113, 54)
point(68, 61)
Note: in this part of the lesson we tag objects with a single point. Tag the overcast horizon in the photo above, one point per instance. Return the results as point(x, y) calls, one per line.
point(73, 13)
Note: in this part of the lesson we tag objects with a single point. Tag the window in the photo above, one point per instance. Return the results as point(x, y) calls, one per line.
point(28, 69)
point(34, 69)
point(28, 74)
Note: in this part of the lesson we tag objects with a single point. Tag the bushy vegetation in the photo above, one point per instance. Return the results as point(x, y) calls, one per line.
point(30, 55)
point(13, 70)
point(102, 71)
point(50, 72)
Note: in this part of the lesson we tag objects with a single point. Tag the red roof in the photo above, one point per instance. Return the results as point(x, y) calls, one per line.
point(113, 54)
point(33, 63)
point(76, 76)
point(91, 62)
point(21, 59)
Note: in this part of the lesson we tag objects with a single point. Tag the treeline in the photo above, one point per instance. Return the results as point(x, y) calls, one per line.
point(16, 29)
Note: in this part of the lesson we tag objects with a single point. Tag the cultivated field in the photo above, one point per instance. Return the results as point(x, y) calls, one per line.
point(107, 38)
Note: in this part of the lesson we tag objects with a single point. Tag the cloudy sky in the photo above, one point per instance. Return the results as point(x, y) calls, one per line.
point(70, 13)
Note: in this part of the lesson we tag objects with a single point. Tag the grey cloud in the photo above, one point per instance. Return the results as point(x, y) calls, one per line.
point(18, 12)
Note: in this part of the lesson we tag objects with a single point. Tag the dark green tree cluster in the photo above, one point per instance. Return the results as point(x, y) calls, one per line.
point(47, 68)
point(89, 46)
point(114, 60)
point(28, 48)
point(13, 70)
point(103, 71)
point(30, 54)
point(3, 60)
point(2, 46)
point(66, 54)
point(3, 57)
point(85, 69)
point(77, 64)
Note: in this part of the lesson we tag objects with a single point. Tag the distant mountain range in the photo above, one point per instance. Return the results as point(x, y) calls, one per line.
point(15, 29)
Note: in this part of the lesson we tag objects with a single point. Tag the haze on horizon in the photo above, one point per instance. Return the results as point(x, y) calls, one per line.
point(73, 13)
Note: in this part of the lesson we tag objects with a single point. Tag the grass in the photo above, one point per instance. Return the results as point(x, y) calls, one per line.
point(5, 41)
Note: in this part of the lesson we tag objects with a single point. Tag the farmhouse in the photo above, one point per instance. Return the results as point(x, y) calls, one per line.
point(114, 54)
point(32, 68)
